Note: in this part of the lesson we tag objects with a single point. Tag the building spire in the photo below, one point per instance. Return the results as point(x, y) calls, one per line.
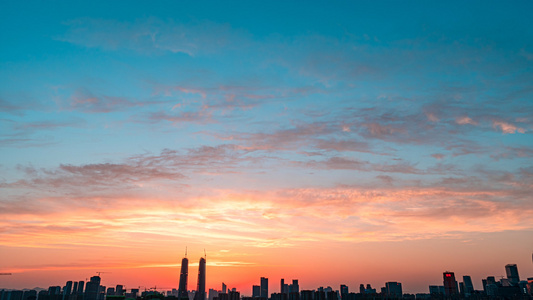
point(185, 251)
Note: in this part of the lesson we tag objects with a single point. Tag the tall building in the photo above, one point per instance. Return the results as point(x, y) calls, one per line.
point(450, 284)
point(80, 287)
point(512, 274)
point(284, 287)
point(200, 288)
point(344, 292)
point(469, 286)
point(119, 290)
point(67, 290)
point(224, 288)
point(93, 288)
point(294, 287)
point(184, 273)
point(264, 287)
point(394, 289)
point(256, 291)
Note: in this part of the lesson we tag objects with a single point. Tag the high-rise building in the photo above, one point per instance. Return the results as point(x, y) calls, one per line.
point(344, 292)
point(93, 288)
point(200, 288)
point(256, 291)
point(394, 289)
point(224, 288)
point(184, 273)
point(450, 284)
point(294, 287)
point(284, 287)
point(469, 286)
point(80, 287)
point(264, 287)
point(119, 290)
point(512, 274)
point(67, 290)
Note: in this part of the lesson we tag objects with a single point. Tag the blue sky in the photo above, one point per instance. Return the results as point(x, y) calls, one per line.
point(383, 116)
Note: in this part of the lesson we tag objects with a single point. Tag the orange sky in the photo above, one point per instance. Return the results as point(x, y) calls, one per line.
point(334, 143)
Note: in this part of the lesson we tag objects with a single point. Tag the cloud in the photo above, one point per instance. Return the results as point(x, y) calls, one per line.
point(465, 120)
point(507, 127)
point(343, 163)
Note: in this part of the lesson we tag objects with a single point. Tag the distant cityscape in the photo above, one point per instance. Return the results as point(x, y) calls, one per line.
point(510, 287)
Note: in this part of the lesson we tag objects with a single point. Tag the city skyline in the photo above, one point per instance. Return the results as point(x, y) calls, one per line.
point(333, 143)
point(450, 285)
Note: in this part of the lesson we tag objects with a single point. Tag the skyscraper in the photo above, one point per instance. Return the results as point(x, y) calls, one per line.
point(450, 284)
point(92, 289)
point(264, 287)
point(182, 289)
point(80, 287)
point(67, 289)
point(469, 286)
point(344, 291)
point(512, 274)
point(284, 288)
point(200, 289)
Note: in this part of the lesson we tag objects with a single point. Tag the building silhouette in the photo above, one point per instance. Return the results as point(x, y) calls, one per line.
point(468, 285)
point(256, 291)
point(450, 284)
point(393, 289)
point(200, 288)
point(81, 286)
point(184, 273)
point(284, 287)
point(512, 274)
point(264, 287)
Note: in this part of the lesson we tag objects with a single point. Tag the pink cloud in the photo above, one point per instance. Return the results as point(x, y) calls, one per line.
point(465, 120)
point(507, 127)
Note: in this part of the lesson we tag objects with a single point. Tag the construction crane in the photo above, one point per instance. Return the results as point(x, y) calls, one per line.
point(101, 272)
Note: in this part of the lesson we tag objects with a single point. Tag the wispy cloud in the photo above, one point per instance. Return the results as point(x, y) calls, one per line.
point(507, 127)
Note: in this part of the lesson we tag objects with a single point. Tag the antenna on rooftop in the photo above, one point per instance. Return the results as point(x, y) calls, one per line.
point(185, 251)
point(205, 254)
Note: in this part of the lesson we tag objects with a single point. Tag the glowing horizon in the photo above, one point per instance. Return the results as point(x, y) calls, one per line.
point(341, 143)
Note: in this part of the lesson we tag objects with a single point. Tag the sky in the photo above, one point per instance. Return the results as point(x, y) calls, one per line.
point(338, 142)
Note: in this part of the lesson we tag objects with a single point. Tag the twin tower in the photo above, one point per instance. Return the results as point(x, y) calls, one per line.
point(200, 288)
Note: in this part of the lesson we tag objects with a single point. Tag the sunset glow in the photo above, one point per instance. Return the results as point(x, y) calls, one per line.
point(334, 143)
